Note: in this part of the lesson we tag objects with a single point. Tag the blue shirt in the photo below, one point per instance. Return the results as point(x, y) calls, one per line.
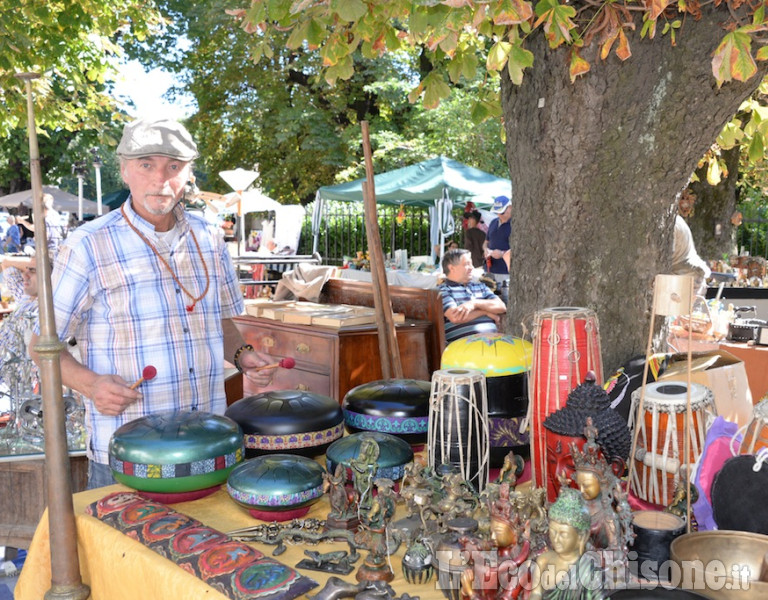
point(498, 239)
point(112, 292)
point(13, 239)
point(455, 294)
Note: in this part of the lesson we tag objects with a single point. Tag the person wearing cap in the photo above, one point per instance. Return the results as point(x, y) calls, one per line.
point(149, 284)
point(474, 238)
point(469, 307)
point(497, 242)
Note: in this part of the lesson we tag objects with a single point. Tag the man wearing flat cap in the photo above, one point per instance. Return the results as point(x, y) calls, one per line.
point(149, 285)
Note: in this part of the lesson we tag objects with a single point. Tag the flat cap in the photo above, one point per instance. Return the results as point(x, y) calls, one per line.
point(161, 137)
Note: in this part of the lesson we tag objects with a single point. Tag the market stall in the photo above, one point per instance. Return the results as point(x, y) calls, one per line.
point(440, 183)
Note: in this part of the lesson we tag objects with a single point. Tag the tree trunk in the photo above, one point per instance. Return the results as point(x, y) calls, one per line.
point(596, 167)
point(714, 207)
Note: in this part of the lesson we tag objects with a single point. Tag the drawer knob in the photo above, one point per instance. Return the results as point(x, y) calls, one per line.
point(268, 341)
point(302, 387)
point(302, 348)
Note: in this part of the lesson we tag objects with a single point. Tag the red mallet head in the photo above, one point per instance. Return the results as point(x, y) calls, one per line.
point(148, 373)
point(287, 363)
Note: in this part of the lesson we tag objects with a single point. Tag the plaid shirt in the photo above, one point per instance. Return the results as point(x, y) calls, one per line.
point(454, 294)
point(114, 295)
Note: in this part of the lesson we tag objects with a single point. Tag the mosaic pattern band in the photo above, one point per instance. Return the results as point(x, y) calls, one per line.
point(507, 432)
point(392, 425)
point(235, 569)
point(394, 473)
point(173, 471)
point(275, 500)
point(293, 441)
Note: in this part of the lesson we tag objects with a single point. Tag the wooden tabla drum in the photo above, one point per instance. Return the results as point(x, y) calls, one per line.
point(756, 435)
point(566, 345)
point(458, 424)
point(660, 440)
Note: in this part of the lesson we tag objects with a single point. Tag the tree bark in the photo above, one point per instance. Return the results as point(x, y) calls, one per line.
point(596, 167)
point(714, 206)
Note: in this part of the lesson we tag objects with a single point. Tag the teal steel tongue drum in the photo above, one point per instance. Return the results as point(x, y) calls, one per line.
point(176, 452)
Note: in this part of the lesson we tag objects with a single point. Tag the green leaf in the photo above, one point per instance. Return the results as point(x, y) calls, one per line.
point(756, 148)
point(479, 112)
point(762, 53)
point(498, 55)
point(435, 89)
point(557, 21)
point(730, 136)
point(351, 10)
point(759, 17)
point(418, 22)
point(469, 65)
point(298, 35)
point(455, 70)
point(519, 58)
point(315, 34)
point(733, 58)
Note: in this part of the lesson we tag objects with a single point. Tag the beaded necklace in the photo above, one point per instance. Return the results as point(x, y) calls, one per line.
point(195, 300)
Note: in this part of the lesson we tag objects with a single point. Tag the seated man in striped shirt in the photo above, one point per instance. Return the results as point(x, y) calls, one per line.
point(468, 306)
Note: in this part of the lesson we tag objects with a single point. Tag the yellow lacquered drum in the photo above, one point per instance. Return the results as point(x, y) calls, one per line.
point(505, 361)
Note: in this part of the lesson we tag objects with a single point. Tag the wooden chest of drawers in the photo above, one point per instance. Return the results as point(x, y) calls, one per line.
point(332, 361)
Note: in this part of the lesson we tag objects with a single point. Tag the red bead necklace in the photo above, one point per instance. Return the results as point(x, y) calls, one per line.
point(195, 300)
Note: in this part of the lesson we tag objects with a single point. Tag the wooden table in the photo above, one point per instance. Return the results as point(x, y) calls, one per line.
point(117, 567)
point(755, 360)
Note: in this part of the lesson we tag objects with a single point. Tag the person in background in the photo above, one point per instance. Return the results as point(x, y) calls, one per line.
point(474, 238)
point(54, 230)
point(685, 259)
point(497, 243)
point(12, 242)
point(19, 277)
point(468, 306)
point(149, 284)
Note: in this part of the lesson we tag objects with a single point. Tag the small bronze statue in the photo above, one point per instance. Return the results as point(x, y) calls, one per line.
point(343, 513)
point(511, 469)
point(566, 571)
point(337, 562)
point(372, 533)
point(610, 519)
point(364, 468)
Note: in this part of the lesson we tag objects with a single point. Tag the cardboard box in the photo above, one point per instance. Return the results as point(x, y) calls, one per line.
point(722, 373)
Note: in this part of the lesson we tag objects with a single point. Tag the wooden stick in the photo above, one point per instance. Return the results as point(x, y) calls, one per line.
point(388, 348)
point(65, 566)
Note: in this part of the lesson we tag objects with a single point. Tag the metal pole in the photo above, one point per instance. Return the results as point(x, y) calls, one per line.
point(66, 583)
point(97, 166)
point(79, 198)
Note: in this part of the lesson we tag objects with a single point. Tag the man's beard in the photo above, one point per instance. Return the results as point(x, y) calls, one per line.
point(160, 212)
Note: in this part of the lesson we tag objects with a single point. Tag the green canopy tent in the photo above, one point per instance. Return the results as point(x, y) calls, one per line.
point(439, 183)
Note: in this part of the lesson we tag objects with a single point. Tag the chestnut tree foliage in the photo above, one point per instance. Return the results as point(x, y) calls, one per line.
point(73, 45)
point(608, 106)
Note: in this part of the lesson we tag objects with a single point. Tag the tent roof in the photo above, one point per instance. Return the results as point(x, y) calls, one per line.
point(421, 184)
point(62, 201)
